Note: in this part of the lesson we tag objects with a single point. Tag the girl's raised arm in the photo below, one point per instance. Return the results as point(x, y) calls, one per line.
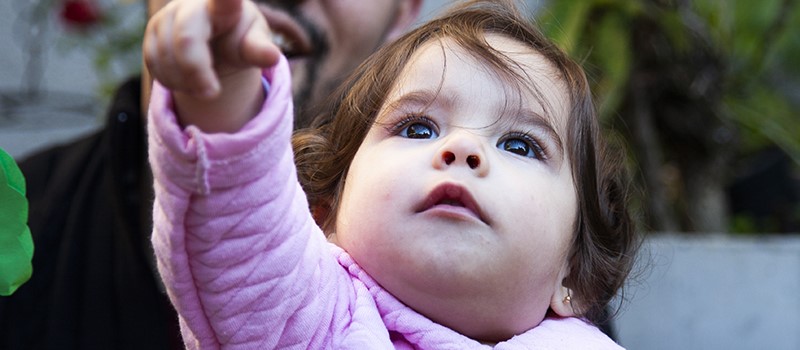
point(209, 54)
point(241, 259)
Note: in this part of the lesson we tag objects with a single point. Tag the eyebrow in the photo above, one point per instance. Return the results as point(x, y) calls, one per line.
point(424, 98)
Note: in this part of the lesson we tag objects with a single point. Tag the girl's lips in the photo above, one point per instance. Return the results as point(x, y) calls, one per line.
point(287, 34)
point(452, 198)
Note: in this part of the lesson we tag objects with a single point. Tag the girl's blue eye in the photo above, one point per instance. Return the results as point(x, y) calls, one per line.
point(418, 130)
point(522, 145)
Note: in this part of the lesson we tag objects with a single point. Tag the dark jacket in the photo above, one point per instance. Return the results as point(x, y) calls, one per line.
point(94, 284)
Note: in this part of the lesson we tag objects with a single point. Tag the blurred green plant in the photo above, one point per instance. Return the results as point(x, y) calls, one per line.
point(693, 85)
point(111, 29)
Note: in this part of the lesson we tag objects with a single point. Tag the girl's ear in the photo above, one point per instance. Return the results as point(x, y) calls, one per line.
point(562, 302)
point(320, 213)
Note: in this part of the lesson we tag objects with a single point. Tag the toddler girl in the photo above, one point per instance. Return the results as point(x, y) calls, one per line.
point(463, 193)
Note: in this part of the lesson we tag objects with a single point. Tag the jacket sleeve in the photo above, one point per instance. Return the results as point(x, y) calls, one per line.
point(242, 260)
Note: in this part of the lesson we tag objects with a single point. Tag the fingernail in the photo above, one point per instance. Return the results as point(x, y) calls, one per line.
point(209, 92)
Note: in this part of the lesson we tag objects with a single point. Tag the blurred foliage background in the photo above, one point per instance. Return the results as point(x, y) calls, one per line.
point(705, 95)
point(109, 31)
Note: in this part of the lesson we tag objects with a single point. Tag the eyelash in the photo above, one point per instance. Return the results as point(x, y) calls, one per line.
point(539, 151)
point(410, 119)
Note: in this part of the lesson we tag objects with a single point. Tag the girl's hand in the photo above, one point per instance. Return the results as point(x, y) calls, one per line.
point(209, 53)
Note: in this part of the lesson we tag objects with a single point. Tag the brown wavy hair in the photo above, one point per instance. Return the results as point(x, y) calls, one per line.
point(605, 241)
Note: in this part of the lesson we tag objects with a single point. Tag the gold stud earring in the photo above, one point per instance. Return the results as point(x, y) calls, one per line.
point(568, 298)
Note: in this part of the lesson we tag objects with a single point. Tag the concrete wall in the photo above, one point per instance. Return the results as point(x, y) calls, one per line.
point(714, 292)
point(433, 7)
point(67, 105)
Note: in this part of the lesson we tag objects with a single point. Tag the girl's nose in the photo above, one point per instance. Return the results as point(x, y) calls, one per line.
point(462, 149)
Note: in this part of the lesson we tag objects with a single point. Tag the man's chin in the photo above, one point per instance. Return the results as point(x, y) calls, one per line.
point(296, 63)
point(298, 67)
point(301, 84)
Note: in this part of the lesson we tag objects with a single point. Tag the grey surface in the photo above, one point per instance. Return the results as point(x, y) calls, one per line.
point(433, 7)
point(715, 292)
point(67, 101)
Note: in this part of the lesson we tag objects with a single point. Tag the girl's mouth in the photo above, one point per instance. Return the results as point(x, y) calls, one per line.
point(452, 200)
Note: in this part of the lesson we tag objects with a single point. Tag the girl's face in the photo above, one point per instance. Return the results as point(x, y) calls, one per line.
point(460, 200)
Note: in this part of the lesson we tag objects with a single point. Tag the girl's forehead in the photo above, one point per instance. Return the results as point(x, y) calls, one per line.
point(527, 79)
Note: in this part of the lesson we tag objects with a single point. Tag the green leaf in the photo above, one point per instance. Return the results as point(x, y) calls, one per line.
point(564, 22)
point(16, 243)
point(675, 29)
point(767, 116)
point(612, 54)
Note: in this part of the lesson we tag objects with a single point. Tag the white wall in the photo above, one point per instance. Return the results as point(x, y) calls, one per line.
point(433, 7)
point(715, 292)
point(36, 53)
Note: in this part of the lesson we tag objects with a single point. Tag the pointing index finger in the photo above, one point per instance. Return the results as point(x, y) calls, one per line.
point(224, 14)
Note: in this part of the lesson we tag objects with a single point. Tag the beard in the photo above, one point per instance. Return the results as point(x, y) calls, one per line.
point(308, 89)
